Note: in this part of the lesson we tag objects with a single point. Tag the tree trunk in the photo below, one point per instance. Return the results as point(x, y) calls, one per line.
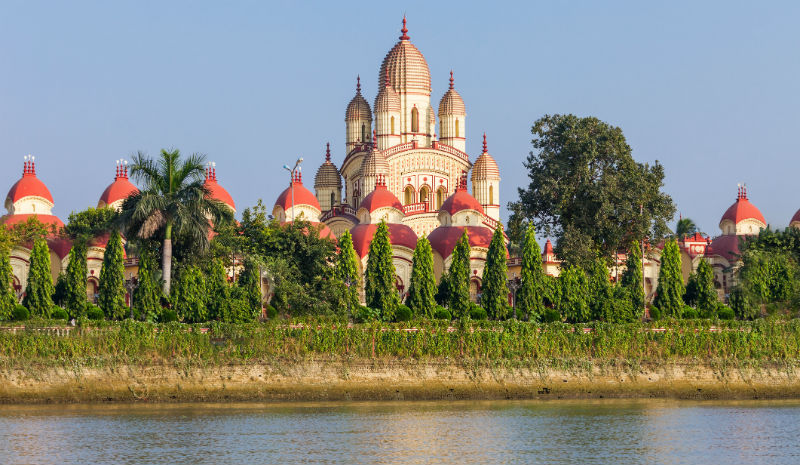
point(166, 260)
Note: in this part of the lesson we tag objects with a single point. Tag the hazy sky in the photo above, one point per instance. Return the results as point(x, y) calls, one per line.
point(708, 88)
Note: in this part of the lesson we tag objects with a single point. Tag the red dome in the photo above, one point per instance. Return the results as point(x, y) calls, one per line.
point(443, 239)
point(11, 220)
point(302, 196)
point(461, 200)
point(29, 186)
point(742, 209)
point(380, 197)
point(120, 189)
point(399, 234)
point(796, 217)
point(726, 246)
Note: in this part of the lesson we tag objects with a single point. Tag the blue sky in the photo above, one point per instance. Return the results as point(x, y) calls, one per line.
point(710, 89)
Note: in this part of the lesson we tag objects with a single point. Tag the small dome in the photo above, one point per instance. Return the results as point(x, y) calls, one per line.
point(387, 101)
point(796, 217)
point(327, 174)
point(381, 197)
point(215, 191)
point(485, 167)
point(358, 108)
point(451, 102)
point(742, 210)
point(399, 235)
point(443, 239)
point(28, 186)
point(461, 200)
point(374, 163)
point(406, 67)
point(118, 190)
point(302, 196)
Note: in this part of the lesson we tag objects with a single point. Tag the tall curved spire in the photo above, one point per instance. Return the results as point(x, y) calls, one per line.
point(404, 30)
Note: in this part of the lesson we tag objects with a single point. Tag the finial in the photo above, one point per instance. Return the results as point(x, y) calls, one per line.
point(374, 139)
point(451, 79)
point(358, 84)
point(404, 30)
point(328, 152)
point(484, 143)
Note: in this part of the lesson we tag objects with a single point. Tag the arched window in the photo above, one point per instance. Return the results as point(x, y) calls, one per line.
point(409, 195)
point(363, 133)
point(423, 194)
point(457, 135)
point(414, 120)
point(439, 197)
point(491, 195)
point(392, 128)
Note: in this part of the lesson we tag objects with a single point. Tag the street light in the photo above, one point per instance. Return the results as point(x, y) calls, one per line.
point(292, 172)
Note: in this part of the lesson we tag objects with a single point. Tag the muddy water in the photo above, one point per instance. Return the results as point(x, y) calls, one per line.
point(554, 432)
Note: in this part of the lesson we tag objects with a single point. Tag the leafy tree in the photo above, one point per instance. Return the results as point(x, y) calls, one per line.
point(552, 292)
point(90, 223)
point(669, 294)
point(347, 268)
point(619, 308)
point(8, 301)
point(443, 290)
point(30, 231)
point(601, 293)
point(111, 294)
point(147, 295)
point(422, 290)
point(530, 296)
point(632, 279)
point(74, 299)
point(189, 296)
point(380, 287)
point(494, 297)
point(249, 289)
point(459, 278)
point(574, 303)
point(173, 201)
point(707, 299)
point(219, 293)
point(586, 189)
point(39, 292)
point(685, 227)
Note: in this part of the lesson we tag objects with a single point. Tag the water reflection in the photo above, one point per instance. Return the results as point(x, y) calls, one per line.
point(618, 432)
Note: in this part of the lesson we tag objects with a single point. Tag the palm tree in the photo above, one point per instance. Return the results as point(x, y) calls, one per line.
point(685, 227)
point(173, 201)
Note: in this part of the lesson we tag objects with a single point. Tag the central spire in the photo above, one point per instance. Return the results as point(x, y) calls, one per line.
point(451, 79)
point(404, 30)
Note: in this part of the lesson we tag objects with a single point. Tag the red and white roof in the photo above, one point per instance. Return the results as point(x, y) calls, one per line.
point(381, 198)
point(216, 191)
point(358, 108)
point(742, 210)
point(451, 102)
point(461, 200)
point(118, 190)
point(399, 235)
point(406, 67)
point(443, 239)
point(302, 196)
point(485, 166)
point(28, 186)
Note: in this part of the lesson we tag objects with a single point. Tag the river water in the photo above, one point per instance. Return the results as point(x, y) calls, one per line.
point(554, 432)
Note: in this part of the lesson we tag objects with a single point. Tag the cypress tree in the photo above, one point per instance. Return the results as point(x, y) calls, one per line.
point(218, 291)
point(495, 285)
point(600, 291)
point(39, 291)
point(75, 281)
point(443, 290)
point(7, 298)
point(632, 278)
point(347, 268)
point(422, 290)
point(248, 289)
point(189, 295)
point(459, 278)
point(111, 295)
point(574, 295)
point(669, 298)
point(706, 294)
point(531, 292)
point(380, 290)
point(147, 295)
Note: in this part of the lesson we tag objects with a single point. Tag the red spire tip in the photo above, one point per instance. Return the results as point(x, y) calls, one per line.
point(404, 30)
point(451, 79)
point(358, 84)
point(484, 143)
point(328, 151)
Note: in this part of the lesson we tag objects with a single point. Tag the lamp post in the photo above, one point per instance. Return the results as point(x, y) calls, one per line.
point(292, 172)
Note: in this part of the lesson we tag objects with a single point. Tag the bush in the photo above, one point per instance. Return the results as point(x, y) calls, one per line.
point(689, 313)
point(442, 313)
point(364, 313)
point(403, 313)
point(271, 312)
point(551, 315)
point(58, 313)
point(655, 313)
point(20, 313)
point(168, 315)
point(725, 313)
point(478, 313)
point(93, 312)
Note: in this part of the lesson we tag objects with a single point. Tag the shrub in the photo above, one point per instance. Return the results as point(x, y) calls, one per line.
point(689, 313)
point(58, 313)
point(168, 315)
point(478, 313)
point(442, 313)
point(403, 313)
point(93, 312)
point(551, 315)
point(725, 313)
point(271, 312)
point(364, 313)
point(20, 313)
point(655, 313)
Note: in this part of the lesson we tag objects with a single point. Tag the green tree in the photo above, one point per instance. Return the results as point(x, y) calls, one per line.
point(147, 295)
point(39, 291)
point(347, 269)
point(92, 222)
point(189, 296)
point(443, 290)
point(111, 294)
point(601, 294)
point(494, 298)
point(380, 285)
point(422, 290)
point(248, 288)
point(669, 294)
point(685, 227)
point(173, 201)
point(219, 293)
point(632, 279)
point(458, 278)
point(574, 295)
point(7, 298)
point(707, 299)
point(586, 189)
point(530, 296)
point(75, 281)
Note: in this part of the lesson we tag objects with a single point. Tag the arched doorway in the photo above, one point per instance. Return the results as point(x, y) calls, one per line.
point(92, 287)
point(424, 193)
point(408, 195)
point(439, 197)
point(474, 288)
